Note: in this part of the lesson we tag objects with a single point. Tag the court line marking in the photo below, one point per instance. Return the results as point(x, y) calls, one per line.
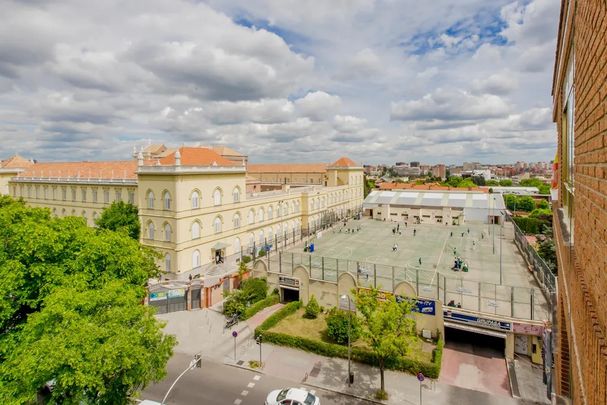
point(439, 259)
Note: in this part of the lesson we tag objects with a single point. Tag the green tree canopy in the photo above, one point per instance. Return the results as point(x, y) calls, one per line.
point(71, 310)
point(492, 183)
point(506, 183)
point(385, 326)
point(120, 215)
point(369, 185)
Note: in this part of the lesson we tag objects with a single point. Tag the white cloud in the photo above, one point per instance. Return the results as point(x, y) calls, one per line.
point(318, 105)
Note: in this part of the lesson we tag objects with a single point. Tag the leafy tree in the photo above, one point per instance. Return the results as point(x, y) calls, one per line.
point(541, 213)
point(337, 326)
point(71, 312)
point(543, 204)
point(465, 183)
point(120, 215)
point(525, 203)
point(492, 183)
point(543, 188)
point(369, 185)
point(510, 201)
point(385, 327)
point(547, 250)
point(250, 292)
point(506, 183)
point(312, 309)
point(479, 180)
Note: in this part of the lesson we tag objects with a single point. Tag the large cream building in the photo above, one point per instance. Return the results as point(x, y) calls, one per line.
point(193, 201)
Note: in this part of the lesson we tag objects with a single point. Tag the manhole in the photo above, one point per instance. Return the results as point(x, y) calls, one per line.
point(315, 370)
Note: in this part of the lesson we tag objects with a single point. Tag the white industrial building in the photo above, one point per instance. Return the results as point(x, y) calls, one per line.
point(430, 207)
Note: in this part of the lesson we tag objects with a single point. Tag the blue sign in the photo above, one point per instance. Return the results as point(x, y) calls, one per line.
point(426, 307)
point(478, 321)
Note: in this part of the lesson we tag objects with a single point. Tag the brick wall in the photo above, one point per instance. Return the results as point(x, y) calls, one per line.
point(581, 358)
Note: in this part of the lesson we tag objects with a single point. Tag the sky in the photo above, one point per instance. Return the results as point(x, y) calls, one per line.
point(379, 81)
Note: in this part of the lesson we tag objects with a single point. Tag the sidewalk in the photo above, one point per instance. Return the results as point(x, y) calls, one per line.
point(331, 374)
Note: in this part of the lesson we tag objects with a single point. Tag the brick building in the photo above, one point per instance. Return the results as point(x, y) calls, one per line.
point(580, 214)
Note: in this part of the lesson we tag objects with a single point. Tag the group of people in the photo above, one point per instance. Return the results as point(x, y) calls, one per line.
point(459, 264)
point(452, 304)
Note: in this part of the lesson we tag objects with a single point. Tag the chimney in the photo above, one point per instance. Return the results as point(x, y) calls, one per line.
point(177, 158)
point(140, 158)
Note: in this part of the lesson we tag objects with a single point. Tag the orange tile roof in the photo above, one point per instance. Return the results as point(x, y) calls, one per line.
point(432, 186)
point(287, 168)
point(117, 169)
point(197, 156)
point(227, 151)
point(344, 162)
point(16, 162)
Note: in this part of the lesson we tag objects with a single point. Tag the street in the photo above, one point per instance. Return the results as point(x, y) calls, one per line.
point(219, 384)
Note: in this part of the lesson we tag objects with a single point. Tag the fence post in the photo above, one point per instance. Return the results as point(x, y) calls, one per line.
point(292, 263)
point(279, 261)
point(374, 275)
point(532, 303)
point(480, 288)
point(322, 265)
point(416, 280)
point(357, 272)
point(444, 288)
point(310, 263)
point(393, 281)
point(512, 302)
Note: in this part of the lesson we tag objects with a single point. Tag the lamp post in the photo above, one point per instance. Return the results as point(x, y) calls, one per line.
point(349, 343)
point(493, 223)
point(196, 362)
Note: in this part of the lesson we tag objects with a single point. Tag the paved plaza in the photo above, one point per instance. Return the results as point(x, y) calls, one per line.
point(384, 253)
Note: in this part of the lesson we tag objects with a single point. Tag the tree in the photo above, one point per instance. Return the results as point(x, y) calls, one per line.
point(312, 309)
point(385, 326)
point(492, 183)
point(543, 204)
point(71, 310)
point(506, 183)
point(525, 203)
point(547, 250)
point(120, 215)
point(369, 185)
point(337, 326)
point(479, 180)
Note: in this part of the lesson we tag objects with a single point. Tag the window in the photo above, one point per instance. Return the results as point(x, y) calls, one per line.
point(195, 230)
point(94, 195)
point(151, 230)
point(83, 194)
point(45, 190)
point(195, 259)
point(271, 213)
point(118, 195)
point(260, 215)
point(167, 232)
point(568, 139)
point(236, 221)
point(217, 197)
point(166, 198)
point(167, 262)
point(217, 225)
point(236, 194)
point(195, 198)
point(236, 245)
point(63, 193)
point(150, 198)
point(36, 192)
point(251, 217)
point(106, 196)
point(73, 193)
point(262, 238)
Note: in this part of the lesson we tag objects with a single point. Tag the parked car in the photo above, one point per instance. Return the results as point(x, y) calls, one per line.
point(292, 396)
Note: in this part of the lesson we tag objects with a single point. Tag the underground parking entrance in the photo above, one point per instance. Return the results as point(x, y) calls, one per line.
point(474, 358)
point(288, 294)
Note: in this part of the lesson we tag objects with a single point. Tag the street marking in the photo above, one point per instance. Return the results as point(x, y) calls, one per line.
point(237, 401)
point(250, 385)
point(257, 377)
point(244, 393)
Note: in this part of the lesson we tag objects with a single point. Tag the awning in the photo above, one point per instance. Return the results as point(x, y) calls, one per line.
point(220, 245)
point(474, 329)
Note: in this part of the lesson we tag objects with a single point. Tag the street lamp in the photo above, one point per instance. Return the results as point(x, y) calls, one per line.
point(350, 377)
point(196, 362)
point(493, 223)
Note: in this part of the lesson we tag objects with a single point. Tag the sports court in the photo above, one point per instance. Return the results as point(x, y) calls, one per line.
point(384, 253)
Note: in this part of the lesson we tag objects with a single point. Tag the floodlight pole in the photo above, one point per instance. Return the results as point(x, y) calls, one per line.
point(196, 362)
point(349, 343)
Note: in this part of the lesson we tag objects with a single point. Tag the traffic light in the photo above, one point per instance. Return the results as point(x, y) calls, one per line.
point(198, 360)
point(258, 339)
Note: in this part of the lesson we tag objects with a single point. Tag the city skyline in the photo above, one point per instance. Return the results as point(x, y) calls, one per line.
point(367, 78)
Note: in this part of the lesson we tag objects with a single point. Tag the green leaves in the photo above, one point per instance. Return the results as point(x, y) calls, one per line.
point(121, 216)
point(71, 311)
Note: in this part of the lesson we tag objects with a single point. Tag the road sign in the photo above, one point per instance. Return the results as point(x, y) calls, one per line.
point(420, 377)
point(234, 334)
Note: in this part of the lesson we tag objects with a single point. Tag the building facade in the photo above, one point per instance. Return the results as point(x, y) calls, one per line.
point(580, 214)
point(193, 203)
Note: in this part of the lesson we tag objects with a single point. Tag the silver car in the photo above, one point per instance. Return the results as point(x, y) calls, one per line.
point(292, 396)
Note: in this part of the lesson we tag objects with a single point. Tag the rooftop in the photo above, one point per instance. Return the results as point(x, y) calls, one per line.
point(106, 170)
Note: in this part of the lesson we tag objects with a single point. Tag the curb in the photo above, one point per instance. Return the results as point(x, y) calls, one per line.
point(322, 387)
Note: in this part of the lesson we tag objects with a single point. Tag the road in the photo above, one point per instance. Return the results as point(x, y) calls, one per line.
point(219, 384)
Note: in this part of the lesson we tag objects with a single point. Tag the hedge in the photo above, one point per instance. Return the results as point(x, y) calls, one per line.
point(270, 300)
point(431, 370)
point(530, 225)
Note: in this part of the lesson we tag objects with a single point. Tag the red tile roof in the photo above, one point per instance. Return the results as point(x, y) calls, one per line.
point(118, 169)
point(344, 162)
point(16, 162)
point(432, 186)
point(287, 168)
point(197, 156)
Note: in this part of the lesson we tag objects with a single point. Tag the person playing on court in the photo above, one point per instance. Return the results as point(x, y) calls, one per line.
point(414, 231)
point(420, 261)
point(395, 247)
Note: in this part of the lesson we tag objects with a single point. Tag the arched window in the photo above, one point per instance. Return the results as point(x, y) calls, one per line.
point(260, 215)
point(195, 259)
point(262, 238)
point(271, 212)
point(217, 197)
point(323, 202)
point(151, 230)
point(167, 232)
point(286, 208)
point(150, 198)
point(251, 217)
point(217, 224)
point(166, 198)
point(195, 199)
point(236, 194)
point(167, 262)
point(195, 230)
point(236, 221)
point(297, 206)
point(236, 245)
point(271, 235)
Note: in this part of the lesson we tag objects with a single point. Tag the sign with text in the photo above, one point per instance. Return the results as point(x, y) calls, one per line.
point(179, 292)
point(426, 307)
point(288, 281)
point(478, 321)
point(158, 296)
point(527, 329)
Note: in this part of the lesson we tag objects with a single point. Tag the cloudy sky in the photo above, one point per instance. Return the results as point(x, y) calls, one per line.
point(280, 80)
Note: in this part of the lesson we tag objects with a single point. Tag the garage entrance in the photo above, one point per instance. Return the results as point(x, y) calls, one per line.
point(288, 294)
point(474, 358)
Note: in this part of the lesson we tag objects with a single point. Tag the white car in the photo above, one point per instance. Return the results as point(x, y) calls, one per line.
point(291, 396)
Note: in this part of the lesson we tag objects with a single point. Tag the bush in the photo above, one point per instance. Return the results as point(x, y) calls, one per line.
point(529, 225)
point(233, 304)
point(542, 204)
point(337, 326)
point(312, 309)
point(250, 292)
point(246, 259)
point(261, 253)
point(431, 370)
point(259, 305)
